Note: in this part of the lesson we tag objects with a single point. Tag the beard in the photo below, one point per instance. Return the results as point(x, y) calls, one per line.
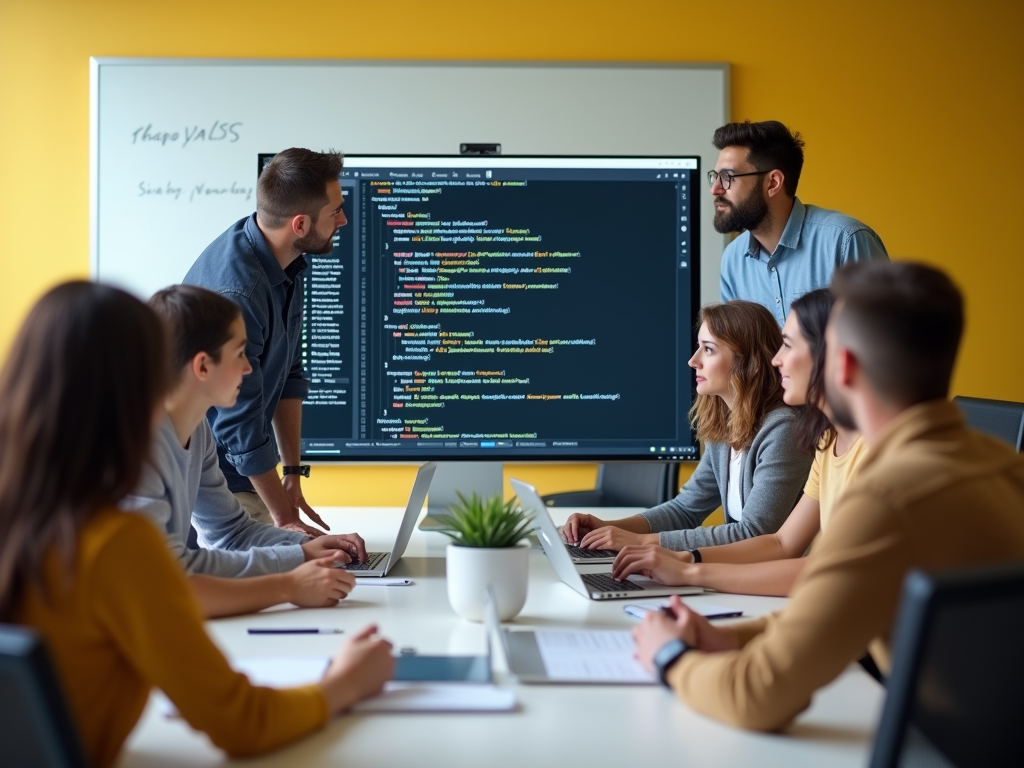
point(748, 213)
point(313, 244)
point(840, 412)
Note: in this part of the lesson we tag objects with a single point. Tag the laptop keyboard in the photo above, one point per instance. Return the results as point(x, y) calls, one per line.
point(585, 554)
point(602, 582)
point(373, 559)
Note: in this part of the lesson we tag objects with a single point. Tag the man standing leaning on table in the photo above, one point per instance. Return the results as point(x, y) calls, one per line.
point(891, 345)
point(258, 264)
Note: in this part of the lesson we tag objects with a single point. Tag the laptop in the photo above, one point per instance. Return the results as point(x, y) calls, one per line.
point(379, 564)
point(595, 586)
point(582, 556)
point(572, 656)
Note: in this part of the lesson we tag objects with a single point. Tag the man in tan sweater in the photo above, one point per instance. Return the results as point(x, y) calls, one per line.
point(932, 494)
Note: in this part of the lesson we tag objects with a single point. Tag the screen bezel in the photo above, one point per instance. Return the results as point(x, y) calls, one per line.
point(495, 455)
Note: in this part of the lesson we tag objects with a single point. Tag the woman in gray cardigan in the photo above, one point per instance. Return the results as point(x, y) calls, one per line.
point(751, 465)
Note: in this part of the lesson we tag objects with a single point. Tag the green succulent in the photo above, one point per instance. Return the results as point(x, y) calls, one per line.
point(489, 523)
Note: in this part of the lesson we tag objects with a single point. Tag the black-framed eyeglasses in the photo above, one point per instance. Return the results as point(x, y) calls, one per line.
point(726, 177)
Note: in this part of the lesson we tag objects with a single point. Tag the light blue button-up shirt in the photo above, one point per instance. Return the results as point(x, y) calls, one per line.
point(814, 244)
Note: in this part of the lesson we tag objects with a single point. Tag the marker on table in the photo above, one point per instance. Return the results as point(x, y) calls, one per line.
point(310, 631)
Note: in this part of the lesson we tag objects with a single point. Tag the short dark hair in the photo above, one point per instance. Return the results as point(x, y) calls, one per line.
point(197, 320)
point(813, 430)
point(770, 146)
point(77, 397)
point(294, 182)
point(903, 321)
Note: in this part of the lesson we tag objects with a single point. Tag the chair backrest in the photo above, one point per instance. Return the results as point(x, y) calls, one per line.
point(638, 484)
point(956, 694)
point(1000, 418)
point(35, 726)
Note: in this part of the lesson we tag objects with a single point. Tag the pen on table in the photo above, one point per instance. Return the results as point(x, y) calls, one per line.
point(725, 614)
point(310, 631)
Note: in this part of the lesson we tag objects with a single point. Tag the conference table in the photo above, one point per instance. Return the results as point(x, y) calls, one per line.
point(567, 725)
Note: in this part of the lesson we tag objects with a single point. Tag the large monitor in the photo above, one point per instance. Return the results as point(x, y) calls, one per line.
point(500, 308)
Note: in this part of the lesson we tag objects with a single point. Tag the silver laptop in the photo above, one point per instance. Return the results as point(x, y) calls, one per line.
point(571, 656)
point(595, 586)
point(582, 556)
point(381, 563)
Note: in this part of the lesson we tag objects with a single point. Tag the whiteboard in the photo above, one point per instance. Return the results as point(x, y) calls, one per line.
point(174, 142)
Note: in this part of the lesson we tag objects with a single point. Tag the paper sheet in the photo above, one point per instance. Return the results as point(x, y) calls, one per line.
point(439, 697)
point(287, 671)
point(282, 671)
point(591, 655)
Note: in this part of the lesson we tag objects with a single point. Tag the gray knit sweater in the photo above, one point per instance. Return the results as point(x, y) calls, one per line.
point(180, 486)
point(771, 481)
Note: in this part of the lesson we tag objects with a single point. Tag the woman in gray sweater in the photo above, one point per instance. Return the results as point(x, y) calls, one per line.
point(751, 465)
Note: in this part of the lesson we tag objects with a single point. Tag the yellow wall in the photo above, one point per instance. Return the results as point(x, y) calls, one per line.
point(912, 111)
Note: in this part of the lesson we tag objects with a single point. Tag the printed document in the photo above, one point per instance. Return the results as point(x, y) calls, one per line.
point(597, 655)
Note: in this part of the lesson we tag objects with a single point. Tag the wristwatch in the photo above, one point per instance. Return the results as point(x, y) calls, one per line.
point(668, 655)
point(695, 553)
point(301, 469)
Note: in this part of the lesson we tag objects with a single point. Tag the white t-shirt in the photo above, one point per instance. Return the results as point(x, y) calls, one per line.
point(734, 500)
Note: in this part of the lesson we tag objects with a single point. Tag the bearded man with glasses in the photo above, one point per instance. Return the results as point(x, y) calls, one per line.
point(788, 248)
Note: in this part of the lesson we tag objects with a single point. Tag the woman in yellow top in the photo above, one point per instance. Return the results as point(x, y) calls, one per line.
point(770, 564)
point(80, 393)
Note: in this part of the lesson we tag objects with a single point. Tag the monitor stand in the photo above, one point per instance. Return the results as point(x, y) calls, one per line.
point(483, 477)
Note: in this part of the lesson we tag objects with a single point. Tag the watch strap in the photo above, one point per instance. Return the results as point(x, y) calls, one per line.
point(300, 469)
point(668, 655)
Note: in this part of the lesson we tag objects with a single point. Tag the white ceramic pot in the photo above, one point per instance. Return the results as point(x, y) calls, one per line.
point(471, 569)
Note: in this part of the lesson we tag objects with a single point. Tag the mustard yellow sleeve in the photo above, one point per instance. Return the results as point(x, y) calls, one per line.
point(748, 630)
point(813, 485)
point(846, 596)
point(143, 601)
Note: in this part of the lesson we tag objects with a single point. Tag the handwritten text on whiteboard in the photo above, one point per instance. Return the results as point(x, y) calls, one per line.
point(217, 131)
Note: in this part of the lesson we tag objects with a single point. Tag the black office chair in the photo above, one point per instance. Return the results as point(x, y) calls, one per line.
point(1000, 418)
point(626, 484)
point(956, 694)
point(35, 726)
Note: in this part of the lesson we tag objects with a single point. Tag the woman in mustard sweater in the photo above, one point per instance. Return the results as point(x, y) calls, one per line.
point(79, 396)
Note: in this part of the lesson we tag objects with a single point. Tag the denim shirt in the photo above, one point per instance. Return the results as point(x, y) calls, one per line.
point(813, 245)
point(240, 265)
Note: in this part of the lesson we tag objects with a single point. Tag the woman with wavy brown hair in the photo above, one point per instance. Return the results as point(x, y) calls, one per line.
point(770, 564)
point(751, 465)
point(80, 393)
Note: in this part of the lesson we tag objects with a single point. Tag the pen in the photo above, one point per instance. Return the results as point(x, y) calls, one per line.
point(723, 614)
point(255, 631)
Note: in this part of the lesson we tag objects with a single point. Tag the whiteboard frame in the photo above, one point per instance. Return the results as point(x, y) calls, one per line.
point(712, 244)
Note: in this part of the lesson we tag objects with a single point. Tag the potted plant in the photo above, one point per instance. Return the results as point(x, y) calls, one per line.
point(487, 549)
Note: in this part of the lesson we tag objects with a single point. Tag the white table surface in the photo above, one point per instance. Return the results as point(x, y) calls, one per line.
point(553, 725)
